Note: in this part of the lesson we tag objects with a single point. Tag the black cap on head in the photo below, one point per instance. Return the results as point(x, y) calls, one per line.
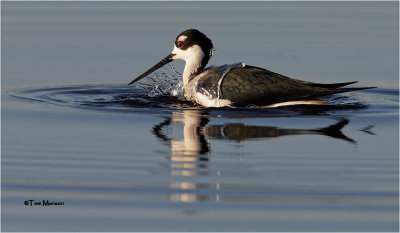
point(194, 36)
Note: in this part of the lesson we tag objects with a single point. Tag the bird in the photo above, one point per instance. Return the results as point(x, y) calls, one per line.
point(239, 84)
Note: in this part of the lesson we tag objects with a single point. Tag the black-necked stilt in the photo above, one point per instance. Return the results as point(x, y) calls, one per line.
point(238, 84)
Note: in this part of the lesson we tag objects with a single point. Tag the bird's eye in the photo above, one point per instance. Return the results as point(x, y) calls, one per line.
point(179, 44)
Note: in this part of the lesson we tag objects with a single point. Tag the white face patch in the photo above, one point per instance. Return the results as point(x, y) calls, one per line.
point(194, 53)
point(182, 38)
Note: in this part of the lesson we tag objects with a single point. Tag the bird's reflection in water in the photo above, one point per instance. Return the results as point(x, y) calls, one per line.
point(190, 156)
point(240, 132)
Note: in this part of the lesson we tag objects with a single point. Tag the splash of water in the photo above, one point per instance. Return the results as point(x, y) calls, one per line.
point(165, 81)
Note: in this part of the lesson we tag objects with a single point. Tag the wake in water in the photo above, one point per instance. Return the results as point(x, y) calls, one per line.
point(163, 91)
point(122, 98)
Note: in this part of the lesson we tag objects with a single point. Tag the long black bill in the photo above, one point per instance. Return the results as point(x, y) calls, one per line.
point(164, 61)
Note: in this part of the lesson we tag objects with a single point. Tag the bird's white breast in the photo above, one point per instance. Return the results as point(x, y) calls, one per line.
point(205, 88)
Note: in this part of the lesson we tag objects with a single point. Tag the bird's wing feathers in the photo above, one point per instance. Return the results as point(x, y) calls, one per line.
point(253, 85)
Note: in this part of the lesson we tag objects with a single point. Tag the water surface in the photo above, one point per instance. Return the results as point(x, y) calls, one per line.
point(116, 156)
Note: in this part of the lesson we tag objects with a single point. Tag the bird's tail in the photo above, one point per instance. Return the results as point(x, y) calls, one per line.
point(334, 88)
point(330, 85)
point(342, 90)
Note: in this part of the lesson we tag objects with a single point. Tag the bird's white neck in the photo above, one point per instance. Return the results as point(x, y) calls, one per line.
point(193, 62)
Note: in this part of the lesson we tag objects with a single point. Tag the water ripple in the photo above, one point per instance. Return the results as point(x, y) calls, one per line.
point(122, 98)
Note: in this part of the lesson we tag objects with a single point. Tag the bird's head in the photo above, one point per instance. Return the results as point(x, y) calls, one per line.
point(193, 47)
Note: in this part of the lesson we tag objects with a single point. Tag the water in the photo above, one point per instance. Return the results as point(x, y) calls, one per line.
point(121, 159)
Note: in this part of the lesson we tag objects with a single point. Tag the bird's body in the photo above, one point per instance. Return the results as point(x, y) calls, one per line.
point(238, 84)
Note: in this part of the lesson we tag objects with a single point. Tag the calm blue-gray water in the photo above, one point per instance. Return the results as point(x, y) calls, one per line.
point(133, 158)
